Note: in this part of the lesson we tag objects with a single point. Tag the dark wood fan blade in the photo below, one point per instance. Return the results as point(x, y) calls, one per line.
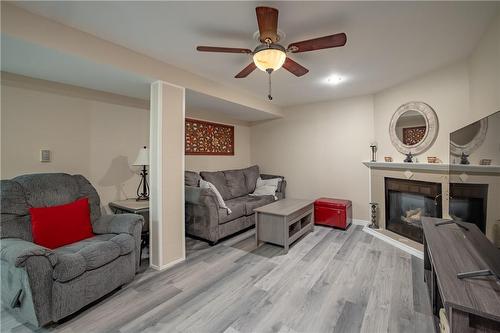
point(319, 43)
point(294, 68)
point(247, 70)
point(267, 18)
point(222, 49)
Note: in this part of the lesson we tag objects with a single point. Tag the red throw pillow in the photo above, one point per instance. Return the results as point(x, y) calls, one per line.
point(60, 225)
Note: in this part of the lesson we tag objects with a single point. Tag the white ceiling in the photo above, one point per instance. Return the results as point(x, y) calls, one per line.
point(388, 42)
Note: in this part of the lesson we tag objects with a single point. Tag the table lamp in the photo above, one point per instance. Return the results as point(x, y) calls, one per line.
point(143, 160)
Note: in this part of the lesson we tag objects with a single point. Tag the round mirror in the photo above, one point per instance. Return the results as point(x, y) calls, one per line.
point(469, 138)
point(413, 128)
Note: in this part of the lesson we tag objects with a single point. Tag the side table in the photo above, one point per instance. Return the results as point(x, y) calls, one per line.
point(135, 207)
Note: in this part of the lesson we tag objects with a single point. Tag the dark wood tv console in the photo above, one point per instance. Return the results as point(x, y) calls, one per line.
point(471, 304)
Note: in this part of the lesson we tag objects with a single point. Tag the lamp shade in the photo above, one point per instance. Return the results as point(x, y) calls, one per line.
point(142, 157)
point(269, 58)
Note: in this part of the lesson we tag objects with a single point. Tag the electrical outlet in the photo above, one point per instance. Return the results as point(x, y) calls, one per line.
point(44, 155)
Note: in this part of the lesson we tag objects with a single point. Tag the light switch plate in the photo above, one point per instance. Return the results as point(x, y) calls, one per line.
point(44, 155)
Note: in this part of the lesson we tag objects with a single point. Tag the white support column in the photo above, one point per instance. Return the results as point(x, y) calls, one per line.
point(166, 218)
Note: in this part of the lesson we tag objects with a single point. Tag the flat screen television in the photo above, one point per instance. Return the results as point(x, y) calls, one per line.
point(475, 175)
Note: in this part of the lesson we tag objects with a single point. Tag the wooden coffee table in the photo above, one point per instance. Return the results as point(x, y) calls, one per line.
point(284, 221)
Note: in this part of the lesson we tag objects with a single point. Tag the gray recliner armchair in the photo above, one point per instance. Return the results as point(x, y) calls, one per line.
point(42, 285)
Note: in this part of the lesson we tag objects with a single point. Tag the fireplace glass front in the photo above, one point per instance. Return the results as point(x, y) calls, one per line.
point(407, 201)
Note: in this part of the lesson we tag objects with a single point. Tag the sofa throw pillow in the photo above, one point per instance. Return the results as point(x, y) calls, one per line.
point(222, 204)
point(266, 187)
point(56, 226)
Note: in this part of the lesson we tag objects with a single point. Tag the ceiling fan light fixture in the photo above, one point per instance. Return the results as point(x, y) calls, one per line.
point(271, 56)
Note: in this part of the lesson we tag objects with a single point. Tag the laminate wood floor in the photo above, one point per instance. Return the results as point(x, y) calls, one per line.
point(330, 281)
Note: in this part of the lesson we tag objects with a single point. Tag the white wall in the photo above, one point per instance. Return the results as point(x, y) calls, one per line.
point(96, 139)
point(445, 90)
point(484, 73)
point(319, 149)
point(240, 159)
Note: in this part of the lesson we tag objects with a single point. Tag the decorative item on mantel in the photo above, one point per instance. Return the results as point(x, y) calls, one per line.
point(373, 209)
point(143, 160)
point(409, 158)
point(464, 158)
point(373, 146)
point(485, 161)
point(433, 159)
point(388, 159)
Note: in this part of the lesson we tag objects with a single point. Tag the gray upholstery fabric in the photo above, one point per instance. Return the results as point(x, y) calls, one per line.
point(88, 254)
point(191, 178)
point(69, 297)
point(49, 189)
point(69, 266)
point(237, 206)
point(235, 180)
point(202, 213)
point(122, 224)
point(205, 219)
point(16, 252)
point(234, 226)
point(251, 175)
point(14, 219)
point(88, 191)
point(252, 202)
point(14, 279)
point(219, 180)
point(73, 275)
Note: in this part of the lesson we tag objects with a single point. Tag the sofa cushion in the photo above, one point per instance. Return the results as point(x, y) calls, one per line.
point(251, 175)
point(237, 207)
point(235, 180)
point(253, 202)
point(191, 178)
point(91, 253)
point(218, 179)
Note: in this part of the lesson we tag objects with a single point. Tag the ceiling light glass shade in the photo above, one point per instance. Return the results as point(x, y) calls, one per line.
point(269, 58)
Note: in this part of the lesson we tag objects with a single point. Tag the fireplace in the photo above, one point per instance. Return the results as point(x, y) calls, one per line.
point(468, 203)
point(406, 201)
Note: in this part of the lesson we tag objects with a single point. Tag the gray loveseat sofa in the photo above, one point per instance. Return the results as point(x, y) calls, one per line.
point(206, 220)
point(42, 285)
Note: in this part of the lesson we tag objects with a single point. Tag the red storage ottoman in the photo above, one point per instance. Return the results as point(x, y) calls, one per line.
point(333, 212)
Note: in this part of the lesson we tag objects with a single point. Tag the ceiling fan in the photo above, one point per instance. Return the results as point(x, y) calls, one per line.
point(270, 56)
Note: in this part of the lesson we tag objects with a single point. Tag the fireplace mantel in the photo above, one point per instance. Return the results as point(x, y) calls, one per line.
point(437, 167)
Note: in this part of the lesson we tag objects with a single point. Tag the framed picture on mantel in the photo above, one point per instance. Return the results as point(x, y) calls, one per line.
point(207, 138)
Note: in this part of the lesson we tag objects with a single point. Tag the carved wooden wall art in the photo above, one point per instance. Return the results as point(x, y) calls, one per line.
point(413, 135)
point(207, 138)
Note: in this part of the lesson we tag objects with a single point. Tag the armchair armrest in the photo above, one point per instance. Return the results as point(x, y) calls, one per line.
point(17, 251)
point(122, 224)
point(118, 224)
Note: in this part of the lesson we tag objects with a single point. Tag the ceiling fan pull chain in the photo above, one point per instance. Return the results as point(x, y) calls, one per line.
point(269, 71)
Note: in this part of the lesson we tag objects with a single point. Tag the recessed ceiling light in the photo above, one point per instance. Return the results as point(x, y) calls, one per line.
point(334, 79)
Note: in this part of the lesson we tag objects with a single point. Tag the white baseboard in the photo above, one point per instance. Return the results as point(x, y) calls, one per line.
point(167, 266)
point(360, 222)
point(393, 242)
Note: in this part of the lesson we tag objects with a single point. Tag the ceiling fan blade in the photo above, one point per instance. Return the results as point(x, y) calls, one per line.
point(223, 49)
point(319, 43)
point(267, 18)
point(247, 70)
point(294, 68)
